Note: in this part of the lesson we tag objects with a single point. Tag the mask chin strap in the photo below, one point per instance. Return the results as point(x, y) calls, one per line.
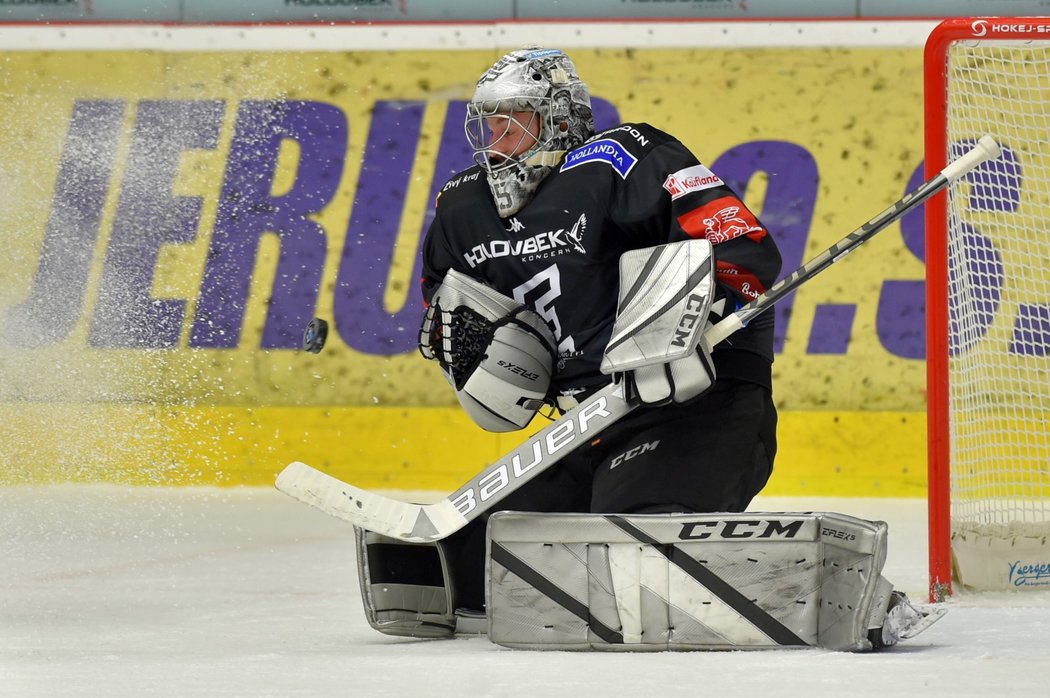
point(545, 158)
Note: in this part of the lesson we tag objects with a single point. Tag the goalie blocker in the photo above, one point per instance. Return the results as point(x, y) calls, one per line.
point(654, 582)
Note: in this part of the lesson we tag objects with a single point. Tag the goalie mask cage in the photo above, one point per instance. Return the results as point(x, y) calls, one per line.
point(988, 306)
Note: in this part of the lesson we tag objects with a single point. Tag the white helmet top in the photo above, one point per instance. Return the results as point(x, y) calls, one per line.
point(543, 81)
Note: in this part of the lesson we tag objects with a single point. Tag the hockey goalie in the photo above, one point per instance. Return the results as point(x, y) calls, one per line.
point(565, 261)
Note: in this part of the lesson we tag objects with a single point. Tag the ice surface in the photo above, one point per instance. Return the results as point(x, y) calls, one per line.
point(111, 591)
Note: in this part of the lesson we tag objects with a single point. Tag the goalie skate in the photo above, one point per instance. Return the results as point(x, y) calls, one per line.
point(904, 620)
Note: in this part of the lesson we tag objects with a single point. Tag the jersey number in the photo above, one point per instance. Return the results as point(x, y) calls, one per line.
point(540, 292)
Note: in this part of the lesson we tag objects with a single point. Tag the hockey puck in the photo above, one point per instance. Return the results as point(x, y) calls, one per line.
point(315, 335)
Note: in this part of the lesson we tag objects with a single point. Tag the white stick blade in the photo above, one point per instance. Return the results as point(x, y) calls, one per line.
point(374, 512)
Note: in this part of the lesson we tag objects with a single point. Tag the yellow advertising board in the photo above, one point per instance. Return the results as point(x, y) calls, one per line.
point(173, 219)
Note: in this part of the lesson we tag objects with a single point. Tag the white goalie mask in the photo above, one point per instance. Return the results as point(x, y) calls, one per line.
point(544, 83)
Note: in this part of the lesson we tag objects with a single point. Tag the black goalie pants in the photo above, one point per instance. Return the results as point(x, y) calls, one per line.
point(714, 454)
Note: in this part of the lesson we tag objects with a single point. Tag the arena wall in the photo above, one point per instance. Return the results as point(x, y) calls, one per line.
point(179, 201)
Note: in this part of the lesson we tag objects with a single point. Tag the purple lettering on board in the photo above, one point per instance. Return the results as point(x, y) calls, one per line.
point(359, 314)
point(980, 273)
point(787, 211)
point(900, 317)
point(605, 114)
point(52, 309)
point(832, 325)
point(148, 215)
point(454, 155)
point(248, 209)
point(1031, 334)
point(981, 277)
point(996, 186)
point(901, 314)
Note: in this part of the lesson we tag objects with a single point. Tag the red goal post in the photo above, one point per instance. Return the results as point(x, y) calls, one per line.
point(988, 306)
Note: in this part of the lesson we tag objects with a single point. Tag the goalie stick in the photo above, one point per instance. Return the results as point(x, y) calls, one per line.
point(430, 522)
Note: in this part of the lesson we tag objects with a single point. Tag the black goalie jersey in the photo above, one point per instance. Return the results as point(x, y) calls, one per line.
point(629, 187)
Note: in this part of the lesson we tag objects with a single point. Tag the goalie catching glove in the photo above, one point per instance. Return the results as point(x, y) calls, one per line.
point(497, 354)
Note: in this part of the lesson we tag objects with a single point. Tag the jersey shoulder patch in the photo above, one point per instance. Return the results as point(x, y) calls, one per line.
point(466, 180)
point(619, 147)
point(691, 179)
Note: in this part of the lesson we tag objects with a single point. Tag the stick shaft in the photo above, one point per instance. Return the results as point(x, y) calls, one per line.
point(985, 149)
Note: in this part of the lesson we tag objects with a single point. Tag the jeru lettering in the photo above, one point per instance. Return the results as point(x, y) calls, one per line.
point(149, 216)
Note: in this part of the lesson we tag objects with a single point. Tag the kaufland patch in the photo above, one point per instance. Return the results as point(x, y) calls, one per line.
point(695, 178)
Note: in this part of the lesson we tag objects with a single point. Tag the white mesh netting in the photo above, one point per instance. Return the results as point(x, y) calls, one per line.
point(999, 290)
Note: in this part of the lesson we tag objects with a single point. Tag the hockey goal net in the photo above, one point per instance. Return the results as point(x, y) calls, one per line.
point(988, 306)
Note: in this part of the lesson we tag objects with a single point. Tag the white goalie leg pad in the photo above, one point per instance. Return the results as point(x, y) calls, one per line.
point(405, 587)
point(685, 581)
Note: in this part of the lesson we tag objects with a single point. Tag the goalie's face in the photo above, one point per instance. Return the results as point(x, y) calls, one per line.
point(513, 134)
point(505, 137)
